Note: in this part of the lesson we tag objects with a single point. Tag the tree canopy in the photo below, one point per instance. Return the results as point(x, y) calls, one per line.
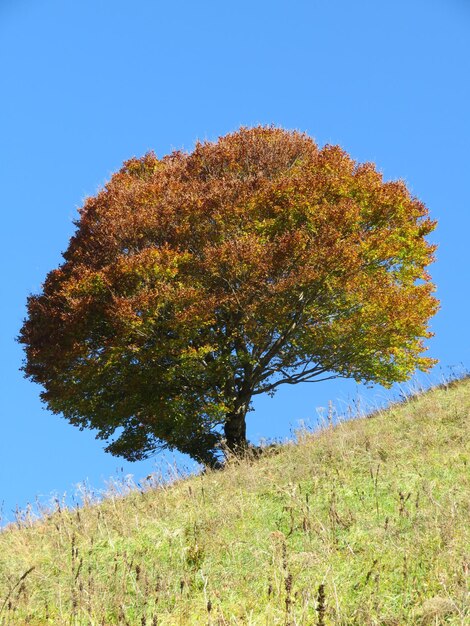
point(197, 281)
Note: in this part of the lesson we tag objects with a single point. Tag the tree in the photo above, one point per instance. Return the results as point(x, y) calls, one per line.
point(195, 282)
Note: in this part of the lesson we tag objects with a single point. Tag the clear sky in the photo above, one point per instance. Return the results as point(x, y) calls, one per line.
point(88, 84)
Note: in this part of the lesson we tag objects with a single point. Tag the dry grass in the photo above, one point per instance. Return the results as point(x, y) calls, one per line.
point(364, 523)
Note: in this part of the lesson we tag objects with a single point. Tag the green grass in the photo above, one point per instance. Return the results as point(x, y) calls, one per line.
point(373, 512)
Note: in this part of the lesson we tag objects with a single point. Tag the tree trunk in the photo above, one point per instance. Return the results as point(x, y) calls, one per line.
point(235, 430)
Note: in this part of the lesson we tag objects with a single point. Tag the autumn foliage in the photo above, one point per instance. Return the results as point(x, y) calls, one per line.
point(197, 281)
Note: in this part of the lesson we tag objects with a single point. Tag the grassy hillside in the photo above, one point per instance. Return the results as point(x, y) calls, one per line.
point(363, 523)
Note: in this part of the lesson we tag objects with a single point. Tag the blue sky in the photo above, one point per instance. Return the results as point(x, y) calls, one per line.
point(86, 85)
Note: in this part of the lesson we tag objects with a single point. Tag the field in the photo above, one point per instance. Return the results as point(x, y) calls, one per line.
point(364, 522)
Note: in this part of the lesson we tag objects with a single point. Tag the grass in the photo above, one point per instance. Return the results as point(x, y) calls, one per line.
point(363, 523)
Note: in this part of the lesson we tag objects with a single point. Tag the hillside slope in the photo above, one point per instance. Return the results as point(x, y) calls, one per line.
point(363, 523)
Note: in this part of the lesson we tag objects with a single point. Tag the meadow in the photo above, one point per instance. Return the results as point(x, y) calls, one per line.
point(364, 522)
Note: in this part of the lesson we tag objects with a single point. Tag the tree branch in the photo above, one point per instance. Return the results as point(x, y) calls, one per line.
point(309, 376)
point(279, 342)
